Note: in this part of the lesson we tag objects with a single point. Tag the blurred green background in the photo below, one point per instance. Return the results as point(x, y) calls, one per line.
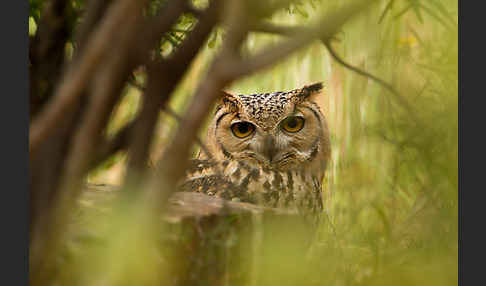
point(391, 188)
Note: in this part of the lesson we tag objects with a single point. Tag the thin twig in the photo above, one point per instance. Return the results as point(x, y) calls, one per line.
point(324, 29)
point(364, 73)
point(292, 30)
point(357, 70)
point(387, 9)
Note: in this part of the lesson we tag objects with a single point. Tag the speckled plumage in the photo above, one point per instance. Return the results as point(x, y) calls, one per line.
point(271, 167)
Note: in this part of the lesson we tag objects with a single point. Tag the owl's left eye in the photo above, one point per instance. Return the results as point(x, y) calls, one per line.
point(293, 124)
point(242, 129)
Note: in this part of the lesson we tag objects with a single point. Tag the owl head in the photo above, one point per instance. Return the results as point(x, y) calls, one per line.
point(280, 130)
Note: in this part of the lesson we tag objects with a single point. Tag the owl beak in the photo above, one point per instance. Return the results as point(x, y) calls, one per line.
point(269, 150)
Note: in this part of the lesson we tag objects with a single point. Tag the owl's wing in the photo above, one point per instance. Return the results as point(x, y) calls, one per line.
point(206, 176)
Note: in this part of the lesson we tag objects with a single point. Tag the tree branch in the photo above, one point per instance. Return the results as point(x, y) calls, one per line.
point(117, 143)
point(163, 78)
point(93, 15)
point(171, 113)
point(283, 30)
point(67, 94)
point(324, 29)
point(46, 53)
point(293, 30)
point(364, 73)
point(357, 70)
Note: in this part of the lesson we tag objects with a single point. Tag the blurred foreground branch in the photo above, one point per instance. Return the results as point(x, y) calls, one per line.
point(67, 94)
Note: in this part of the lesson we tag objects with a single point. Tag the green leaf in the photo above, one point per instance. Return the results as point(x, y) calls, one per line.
point(212, 40)
point(301, 11)
point(35, 7)
point(32, 26)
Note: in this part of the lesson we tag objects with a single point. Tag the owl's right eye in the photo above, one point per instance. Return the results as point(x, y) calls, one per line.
point(242, 129)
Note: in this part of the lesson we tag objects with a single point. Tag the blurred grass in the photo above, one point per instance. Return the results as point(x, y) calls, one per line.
point(391, 188)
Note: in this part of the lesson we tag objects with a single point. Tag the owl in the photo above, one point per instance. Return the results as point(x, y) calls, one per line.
point(269, 149)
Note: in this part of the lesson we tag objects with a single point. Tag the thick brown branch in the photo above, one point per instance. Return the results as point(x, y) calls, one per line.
point(264, 9)
point(198, 140)
point(141, 136)
point(172, 165)
point(158, 26)
point(163, 78)
point(67, 95)
point(171, 113)
point(270, 28)
point(117, 143)
point(95, 11)
point(46, 53)
point(180, 60)
point(108, 84)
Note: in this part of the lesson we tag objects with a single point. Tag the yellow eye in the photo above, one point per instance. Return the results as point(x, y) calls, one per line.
point(293, 124)
point(242, 129)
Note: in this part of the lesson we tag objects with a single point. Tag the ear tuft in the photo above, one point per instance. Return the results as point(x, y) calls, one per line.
point(314, 93)
point(228, 100)
point(312, 88)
